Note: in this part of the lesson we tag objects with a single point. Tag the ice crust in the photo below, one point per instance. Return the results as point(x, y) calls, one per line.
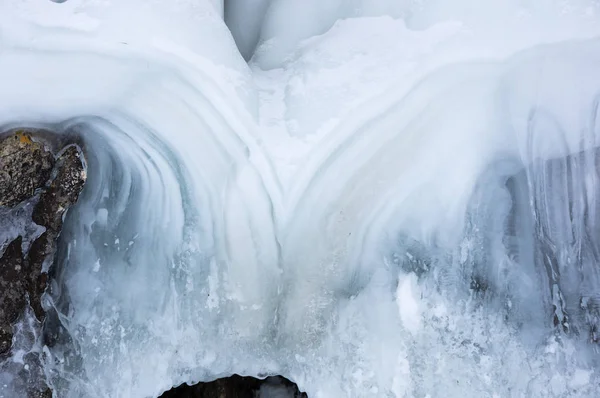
point(391, 199)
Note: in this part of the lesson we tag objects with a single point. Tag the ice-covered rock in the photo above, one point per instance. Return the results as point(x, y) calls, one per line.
point(37, 190)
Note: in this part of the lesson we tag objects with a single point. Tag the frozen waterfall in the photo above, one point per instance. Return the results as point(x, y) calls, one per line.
point(373, 198)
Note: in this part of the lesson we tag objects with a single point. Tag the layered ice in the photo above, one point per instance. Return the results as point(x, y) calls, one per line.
point(390, 199)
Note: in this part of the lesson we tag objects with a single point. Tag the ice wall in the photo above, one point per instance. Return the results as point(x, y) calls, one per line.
point(245, 19)
point(392, 198)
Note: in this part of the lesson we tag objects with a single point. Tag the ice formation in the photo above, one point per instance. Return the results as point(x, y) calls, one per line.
point(392, 198)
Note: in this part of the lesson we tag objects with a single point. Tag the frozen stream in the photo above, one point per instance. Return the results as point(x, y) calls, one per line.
point(392, 198)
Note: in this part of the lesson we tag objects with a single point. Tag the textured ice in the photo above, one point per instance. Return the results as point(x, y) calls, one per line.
point(17, 221)
point(391, 199)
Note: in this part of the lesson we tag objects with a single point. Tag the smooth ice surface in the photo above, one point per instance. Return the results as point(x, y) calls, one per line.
point(391, 199)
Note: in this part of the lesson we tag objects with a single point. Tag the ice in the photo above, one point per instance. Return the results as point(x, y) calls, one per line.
point(390, 199)
point(408, 306)
point(287, 23)
point(17, 221)
point(245, 20)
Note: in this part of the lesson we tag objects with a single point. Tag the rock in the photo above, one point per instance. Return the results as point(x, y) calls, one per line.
point(12, 291)
point(238, 387)
point(63, 191)
point(230, 387)
point(31, 174)
point(25, 166)
point(47, 393)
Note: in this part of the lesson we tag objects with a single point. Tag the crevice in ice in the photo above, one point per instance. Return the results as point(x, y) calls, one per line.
point(244, 18)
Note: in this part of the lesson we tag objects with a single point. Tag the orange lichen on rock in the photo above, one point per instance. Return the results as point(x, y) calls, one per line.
point(24, 138)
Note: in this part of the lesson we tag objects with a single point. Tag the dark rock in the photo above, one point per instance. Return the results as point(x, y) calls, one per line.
point(46, 393)
point(34, 376)
point(12, 291)
point(237, 387)
point(30, 173)
point(230, 387)
point(63, 191)
point(25, 166)
point(41, 249)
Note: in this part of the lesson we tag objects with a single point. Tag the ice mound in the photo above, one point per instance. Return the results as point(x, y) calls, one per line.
point(392, 198)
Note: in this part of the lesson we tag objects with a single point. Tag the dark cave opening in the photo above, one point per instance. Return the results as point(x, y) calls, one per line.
point(237, 386)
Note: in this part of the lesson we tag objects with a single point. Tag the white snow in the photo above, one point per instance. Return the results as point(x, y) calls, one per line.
point(263, 196)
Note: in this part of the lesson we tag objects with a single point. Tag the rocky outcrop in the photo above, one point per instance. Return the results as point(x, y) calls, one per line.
point(25, 166)
point(37, 187)
point(238, 387)
point(54, 201)
point(13, 288)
